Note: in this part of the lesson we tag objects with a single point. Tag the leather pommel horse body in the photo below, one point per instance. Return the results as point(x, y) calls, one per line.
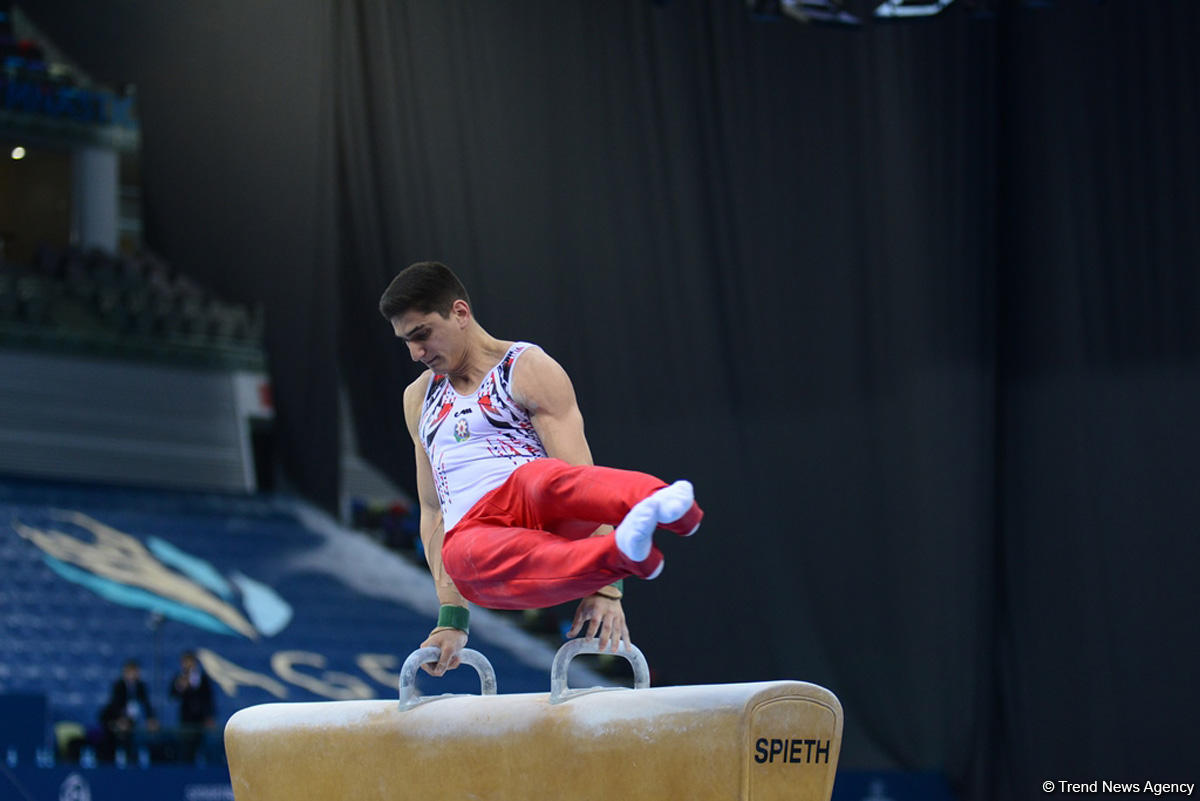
point(746, 742)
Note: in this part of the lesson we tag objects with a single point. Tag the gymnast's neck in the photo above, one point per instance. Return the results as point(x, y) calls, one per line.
point(479, 354)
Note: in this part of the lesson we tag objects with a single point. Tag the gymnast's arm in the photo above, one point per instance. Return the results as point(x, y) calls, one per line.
point(542, 386)
point(450, 640)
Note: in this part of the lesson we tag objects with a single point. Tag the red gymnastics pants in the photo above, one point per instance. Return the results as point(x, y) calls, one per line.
point(526, 544)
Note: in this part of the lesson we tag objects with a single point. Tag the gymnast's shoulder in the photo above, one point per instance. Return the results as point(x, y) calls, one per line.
point(414, 393)
point(539, 380)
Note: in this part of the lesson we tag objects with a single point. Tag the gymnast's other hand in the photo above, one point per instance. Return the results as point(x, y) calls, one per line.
point(451, 642)
point(605, 618)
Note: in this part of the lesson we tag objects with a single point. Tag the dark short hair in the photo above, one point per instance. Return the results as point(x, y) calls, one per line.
point(131, 663)
point(427, 286)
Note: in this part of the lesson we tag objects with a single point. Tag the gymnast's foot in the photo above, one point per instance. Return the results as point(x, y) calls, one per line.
point(674, 502)
point(635, 534)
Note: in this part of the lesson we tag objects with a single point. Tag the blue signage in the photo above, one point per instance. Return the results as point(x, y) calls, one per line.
point(87, 106)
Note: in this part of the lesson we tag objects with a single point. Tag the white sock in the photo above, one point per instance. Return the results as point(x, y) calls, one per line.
point(674, 501)
point(635, 534)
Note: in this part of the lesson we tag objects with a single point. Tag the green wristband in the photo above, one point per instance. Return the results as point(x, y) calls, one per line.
point(456, 617)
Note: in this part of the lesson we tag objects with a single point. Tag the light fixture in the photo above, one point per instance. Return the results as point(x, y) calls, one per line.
point(821, 12)
point(825, 12)
point(18, 153)
point(890, 9)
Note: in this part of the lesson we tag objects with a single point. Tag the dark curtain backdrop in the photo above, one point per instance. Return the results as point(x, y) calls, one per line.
point(1099, 376)
point(915, 307)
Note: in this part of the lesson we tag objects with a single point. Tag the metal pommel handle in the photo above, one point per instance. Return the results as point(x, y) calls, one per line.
point(423, 656)
point(583, 645)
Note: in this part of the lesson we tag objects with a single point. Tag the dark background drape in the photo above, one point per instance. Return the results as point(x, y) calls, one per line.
point(915, 307)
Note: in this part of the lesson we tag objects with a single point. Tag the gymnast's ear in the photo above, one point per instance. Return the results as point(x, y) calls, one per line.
point(460, 311)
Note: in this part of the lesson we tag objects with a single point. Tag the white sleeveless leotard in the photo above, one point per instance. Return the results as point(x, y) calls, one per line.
point(474, 442)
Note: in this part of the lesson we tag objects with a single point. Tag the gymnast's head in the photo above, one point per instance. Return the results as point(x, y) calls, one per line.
point(429, 309)
point(425, 287)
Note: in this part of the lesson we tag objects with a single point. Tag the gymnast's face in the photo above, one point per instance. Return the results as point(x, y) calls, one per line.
point(433, 340)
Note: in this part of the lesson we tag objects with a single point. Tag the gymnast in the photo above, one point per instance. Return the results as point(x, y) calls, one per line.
point(514, 515)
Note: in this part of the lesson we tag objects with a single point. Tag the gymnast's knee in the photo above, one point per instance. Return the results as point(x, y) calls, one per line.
point(543, 477)
point(454, 560)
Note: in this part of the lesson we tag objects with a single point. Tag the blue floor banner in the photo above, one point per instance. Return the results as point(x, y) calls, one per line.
point(891, 786)
point(185, 783)
point(106, 783)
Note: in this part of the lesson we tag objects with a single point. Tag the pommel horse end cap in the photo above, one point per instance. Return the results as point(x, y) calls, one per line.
point(761, 741)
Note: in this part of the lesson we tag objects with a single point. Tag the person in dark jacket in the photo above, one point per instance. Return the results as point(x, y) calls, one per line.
point(197, 710)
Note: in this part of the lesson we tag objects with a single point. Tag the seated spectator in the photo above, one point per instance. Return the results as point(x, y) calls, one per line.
point(128, 713)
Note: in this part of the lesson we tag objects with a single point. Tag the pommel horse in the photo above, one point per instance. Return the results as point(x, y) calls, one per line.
point(761, 741)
